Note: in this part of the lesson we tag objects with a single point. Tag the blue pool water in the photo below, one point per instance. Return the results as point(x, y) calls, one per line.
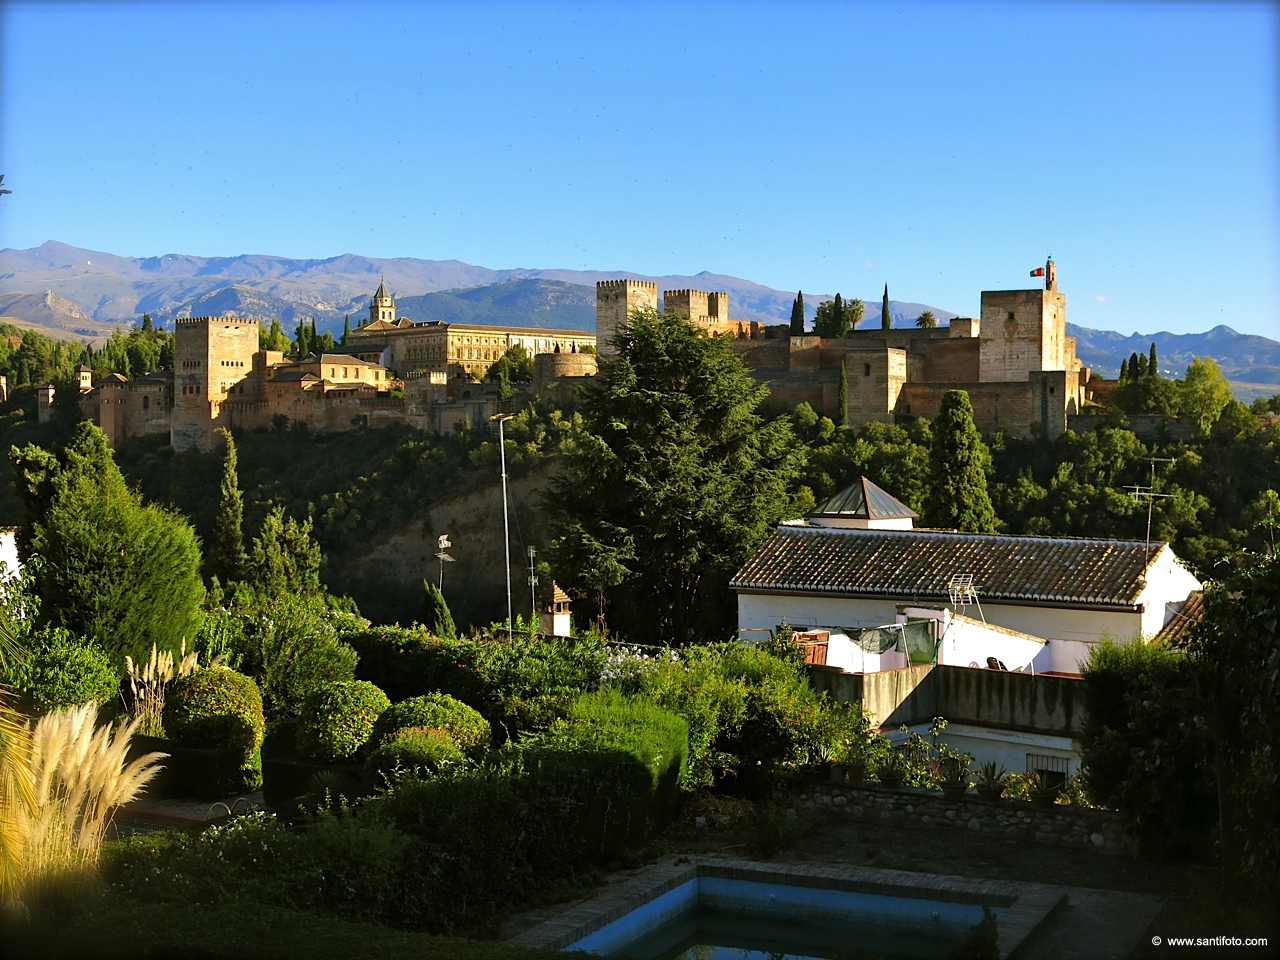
point(713, 918)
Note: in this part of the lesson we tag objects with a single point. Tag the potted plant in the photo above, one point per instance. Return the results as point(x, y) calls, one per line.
point(991, 780)
point(954, 773)
point(1041, 793)
point(893, 770)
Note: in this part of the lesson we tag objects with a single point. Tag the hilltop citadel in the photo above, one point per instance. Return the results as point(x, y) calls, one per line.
point(1015, 361)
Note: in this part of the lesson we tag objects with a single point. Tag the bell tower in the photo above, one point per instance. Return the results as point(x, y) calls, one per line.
point(382, 307)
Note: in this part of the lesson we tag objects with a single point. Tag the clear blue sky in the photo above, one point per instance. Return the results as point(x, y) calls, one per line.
point(942, 148)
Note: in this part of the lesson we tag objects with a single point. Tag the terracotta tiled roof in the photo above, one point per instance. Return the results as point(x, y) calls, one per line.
point(1176, 630)
point(919, 564)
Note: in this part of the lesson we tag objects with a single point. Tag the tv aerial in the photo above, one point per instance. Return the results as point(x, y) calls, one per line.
point(963, 591)
point(1147, 492)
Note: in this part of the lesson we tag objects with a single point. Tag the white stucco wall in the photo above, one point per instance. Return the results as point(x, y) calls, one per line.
point(1169, 584)
point(9, 554)
point(850, 657)
point(968, 644)
point(1008, 748)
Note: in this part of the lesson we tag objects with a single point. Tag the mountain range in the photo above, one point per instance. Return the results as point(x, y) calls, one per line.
point(70, 292)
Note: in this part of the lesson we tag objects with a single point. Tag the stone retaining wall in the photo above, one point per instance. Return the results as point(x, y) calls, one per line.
point(1012, 820)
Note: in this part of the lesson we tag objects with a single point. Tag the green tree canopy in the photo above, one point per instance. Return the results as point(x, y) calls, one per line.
point(285, 559)
point(837, 317)
point(1205, 392)
point(274, 338)
point(958, 464)
point(673, 482)
point(926, 320)
point(111, 568)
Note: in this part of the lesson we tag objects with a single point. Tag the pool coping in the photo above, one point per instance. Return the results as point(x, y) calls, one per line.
point(1027, 906)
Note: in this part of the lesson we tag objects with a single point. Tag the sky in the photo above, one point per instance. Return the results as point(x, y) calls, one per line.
point(942, 148)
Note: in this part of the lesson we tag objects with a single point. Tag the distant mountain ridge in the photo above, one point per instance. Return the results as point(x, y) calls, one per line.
point(71, 292)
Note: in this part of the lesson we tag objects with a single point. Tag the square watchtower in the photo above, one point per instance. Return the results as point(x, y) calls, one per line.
point(615, 302)
point(212, 357)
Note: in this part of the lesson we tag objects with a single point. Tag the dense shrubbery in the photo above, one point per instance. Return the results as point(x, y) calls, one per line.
point(1146, 752)
point(517, 684)
point(751, 714)
point(290, 646)
point(338, 719)
point(60, 669)
point(418, 752)
point(452, 718)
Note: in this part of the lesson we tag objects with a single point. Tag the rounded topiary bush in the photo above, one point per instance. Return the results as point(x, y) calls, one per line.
point(215, 707)
point(338, 718)
point(436, 711)
point(416, 752)
point(63, 670)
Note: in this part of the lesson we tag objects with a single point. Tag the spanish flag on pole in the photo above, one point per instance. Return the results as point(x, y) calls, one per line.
point(1038, 272)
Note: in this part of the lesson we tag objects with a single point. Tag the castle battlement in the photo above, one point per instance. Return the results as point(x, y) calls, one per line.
point(196, 321)
point(623, 284)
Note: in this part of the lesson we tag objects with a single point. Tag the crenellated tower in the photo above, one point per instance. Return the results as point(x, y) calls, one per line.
point(212, 359)
point(616, 300)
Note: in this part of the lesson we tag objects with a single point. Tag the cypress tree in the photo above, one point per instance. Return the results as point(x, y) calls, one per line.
point(842, 397)
point(346, 330)
point(957, 495)
point(1142, 366)
point(228, 535)
point(1153, 370)
point(315, 337)
point(797, 314)
point(1124, 370)
point(436, 616)
point(837, 313)
point(886, 321)
point(1133, 365)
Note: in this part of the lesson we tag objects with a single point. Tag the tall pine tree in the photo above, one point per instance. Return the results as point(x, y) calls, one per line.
point(886, 321)
point(436, 616)
point(797, 315)
point(228, 534)
point(958, 459)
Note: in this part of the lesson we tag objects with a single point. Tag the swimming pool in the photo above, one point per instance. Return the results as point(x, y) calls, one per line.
point(709, 907)
point(708, 917)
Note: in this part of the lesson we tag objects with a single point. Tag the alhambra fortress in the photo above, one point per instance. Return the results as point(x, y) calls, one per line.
point(1015, 360)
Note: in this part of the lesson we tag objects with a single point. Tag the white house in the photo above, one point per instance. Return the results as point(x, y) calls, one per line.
point(850, 565)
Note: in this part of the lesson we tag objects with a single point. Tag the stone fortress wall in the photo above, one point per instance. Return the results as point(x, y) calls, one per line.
point(1015, 361)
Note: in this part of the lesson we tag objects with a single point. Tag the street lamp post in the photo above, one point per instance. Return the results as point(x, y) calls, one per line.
point(502, 418)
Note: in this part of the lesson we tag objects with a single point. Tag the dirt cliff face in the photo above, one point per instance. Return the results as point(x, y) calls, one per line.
point(386, 578)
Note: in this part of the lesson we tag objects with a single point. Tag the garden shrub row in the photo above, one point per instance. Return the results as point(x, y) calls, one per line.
point(517, 685)
point(449, 854)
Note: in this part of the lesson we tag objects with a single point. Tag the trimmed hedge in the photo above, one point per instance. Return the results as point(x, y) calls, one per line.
point(409, 662)
point(624, 759)
point(416, 752)
point(338, 718)
point(438, 711)
point(215, 708)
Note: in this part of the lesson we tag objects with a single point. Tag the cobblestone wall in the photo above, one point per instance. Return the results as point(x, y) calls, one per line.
point(1017, 821)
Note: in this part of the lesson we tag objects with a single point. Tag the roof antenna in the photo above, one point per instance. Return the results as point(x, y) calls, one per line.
point(1148, 493)
point(963, 592)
